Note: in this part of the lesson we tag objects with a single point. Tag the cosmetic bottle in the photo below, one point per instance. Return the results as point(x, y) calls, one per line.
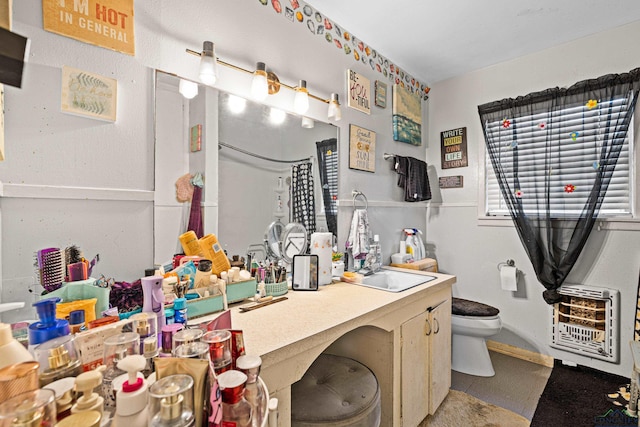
point(116, 348)
point(18, 378)
point(76, 321)
point(192, 350)
point(48, 327)
point(153, 301)
point(64, 396)
point(11, 351)
point(171, 402)
point(253, 392)
point(145, 325)
point(131, 401)
point(167, 337)
point(84, 419)
point(236, 411)
point(180, 310)
point(89, 401)
point(35, 408)
point(186, 336)
point(219, 349)
point(150, 352)
point(58, 359)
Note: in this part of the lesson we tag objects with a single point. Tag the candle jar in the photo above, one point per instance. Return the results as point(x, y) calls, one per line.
point(219, 349)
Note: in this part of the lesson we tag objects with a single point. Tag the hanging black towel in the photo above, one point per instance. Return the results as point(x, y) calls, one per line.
point(413, 178)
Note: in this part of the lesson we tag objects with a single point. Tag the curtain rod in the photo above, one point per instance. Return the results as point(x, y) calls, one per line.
point(223, 144)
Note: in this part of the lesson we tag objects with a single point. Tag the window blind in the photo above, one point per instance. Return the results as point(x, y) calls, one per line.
point(578, 133)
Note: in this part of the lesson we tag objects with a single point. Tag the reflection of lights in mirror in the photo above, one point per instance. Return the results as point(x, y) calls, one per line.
point(259, 84)
point(236, 104)
point(277, 116)
point(307, 123)
point(188, 89)
point(208, 64)
point(301, 99)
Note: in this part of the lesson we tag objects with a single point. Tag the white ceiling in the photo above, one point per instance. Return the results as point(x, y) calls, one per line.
point(438, 39)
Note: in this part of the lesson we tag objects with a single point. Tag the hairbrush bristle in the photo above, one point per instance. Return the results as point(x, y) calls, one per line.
point(72, 254)
point(50, 268)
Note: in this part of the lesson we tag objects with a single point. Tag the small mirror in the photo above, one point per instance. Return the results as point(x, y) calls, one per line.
point(294, 241)
point(272, 240)
point(305, 273)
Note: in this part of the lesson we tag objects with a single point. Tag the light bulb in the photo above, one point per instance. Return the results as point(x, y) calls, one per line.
point(259, 84)
point(334, 108)
point(301, 99)
point(307, 122)
point(188, 89)
point(208, 64)
point(277, 116)
point(236, 104)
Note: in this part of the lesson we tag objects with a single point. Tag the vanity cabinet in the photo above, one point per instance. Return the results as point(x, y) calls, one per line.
point(426, 361)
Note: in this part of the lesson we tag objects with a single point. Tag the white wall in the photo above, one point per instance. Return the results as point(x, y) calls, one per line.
point(49, 154)
point(472, 251)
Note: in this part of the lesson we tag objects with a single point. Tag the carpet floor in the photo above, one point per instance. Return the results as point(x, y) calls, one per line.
point(461, 409)
point(581, 396)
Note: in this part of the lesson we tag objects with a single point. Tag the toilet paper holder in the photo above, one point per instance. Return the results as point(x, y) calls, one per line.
point(509, 262)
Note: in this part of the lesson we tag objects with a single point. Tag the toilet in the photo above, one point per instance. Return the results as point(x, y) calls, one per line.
point(471, 323)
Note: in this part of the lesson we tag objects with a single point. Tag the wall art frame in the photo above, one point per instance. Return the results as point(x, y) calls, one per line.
point(87, 94)
point(406, 116)
point(362, 149)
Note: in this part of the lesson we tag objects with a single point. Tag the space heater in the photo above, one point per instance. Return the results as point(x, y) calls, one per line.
point(585, 322)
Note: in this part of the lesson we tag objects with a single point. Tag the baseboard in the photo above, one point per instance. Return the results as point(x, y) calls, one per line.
point(520, 353)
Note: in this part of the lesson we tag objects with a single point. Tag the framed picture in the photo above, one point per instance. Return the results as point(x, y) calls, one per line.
point(406, 116)
point(359, 92)
point(362, 149)
point(381, 94)
point(453, 148)
point(88, 94)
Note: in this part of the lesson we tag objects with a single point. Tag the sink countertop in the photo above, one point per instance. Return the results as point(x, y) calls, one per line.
point(305, 316)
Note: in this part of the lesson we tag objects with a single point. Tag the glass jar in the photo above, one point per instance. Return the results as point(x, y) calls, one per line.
point(235, 408)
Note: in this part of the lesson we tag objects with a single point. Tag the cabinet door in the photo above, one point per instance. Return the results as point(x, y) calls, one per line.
point(415, 370)
point(439, 354)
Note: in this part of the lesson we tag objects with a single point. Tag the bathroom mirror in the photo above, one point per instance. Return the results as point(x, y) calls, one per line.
point(247, 161)
point(304, 273)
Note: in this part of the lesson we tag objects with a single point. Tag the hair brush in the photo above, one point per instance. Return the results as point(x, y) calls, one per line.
point(50, 268)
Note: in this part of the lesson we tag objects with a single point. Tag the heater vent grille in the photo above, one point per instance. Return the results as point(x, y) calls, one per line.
point(586, 322)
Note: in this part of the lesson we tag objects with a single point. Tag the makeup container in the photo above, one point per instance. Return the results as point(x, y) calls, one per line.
point(116, 348)
point(36, 408)
point(18, 378)
point(250, 366)
point(64, 395)
point(186, 336)
point(145, 325)
point(150, 352)
point(171, 402)
point(219, 349)
point(235, 408)
point(168, 331)
point(192, 350)
point(58, 359)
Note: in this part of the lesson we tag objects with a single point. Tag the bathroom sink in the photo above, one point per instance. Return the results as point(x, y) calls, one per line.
point(395, 281)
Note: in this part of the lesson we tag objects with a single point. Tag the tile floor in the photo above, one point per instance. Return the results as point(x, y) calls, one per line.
point(517, 385)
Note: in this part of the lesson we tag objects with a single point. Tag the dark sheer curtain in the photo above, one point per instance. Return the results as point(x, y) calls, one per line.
point(328, 169)
point(303, 209)
point(554, 233)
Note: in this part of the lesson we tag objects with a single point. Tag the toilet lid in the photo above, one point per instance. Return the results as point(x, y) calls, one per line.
point(465, 307)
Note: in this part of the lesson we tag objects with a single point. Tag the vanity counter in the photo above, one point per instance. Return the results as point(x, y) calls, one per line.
point(345, 319)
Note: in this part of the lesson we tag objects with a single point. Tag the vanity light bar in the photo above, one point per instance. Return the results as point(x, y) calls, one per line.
point(334, 96)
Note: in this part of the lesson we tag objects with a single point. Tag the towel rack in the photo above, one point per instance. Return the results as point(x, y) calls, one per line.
point(360, 194)
point(388, 156)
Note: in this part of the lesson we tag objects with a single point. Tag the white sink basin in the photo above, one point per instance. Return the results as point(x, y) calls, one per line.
point(395, 281)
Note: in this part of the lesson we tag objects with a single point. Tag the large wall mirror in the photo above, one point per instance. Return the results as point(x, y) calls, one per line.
point(259, 167)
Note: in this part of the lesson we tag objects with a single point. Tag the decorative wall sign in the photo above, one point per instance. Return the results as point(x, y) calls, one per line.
point(454, 181)
point(5, 14)
point(88, 94)
point(301, 13)
point(104, 23)
point(407, 117)
point(381, 94)
point(454, 148)
point(359, 96)
point(196, 138)
point(362, 149)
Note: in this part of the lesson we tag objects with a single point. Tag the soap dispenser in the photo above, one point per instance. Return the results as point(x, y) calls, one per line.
point(89, 401)
point(48, 327)
point(171, 402)
point(131, 401)
point(153, 301)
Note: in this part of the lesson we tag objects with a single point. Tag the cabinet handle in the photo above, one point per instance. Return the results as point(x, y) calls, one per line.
point(429, 329)
point(437, 324)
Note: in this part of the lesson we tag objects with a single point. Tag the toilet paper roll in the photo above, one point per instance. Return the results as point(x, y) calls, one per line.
point(321, 245)
point(509, 278)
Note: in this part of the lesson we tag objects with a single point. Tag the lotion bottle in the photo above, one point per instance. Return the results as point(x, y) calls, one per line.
point(89, 401)
point(11, 351)
point(131, 401)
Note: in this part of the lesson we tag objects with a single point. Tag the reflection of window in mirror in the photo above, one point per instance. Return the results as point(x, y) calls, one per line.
point(305, 272)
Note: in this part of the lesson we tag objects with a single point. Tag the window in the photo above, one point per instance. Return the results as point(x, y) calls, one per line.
point(572, 161)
